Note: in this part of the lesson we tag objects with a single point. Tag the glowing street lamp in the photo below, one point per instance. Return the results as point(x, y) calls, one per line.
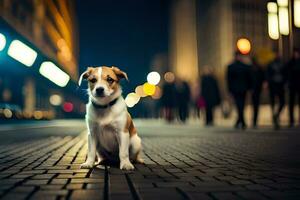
point(273, 29)
point(283, 14)
point(2, 41)
point(297, 13)
point(53, 73)
point(22, 53)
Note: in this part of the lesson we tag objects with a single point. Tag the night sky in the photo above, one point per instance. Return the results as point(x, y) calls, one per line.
point(126, 34)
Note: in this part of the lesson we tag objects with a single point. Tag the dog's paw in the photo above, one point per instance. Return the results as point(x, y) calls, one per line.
point(87, 165)
point(126, 165)
point(140, 161)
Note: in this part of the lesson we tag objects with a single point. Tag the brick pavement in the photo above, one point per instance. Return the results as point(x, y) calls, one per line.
point(216, 164)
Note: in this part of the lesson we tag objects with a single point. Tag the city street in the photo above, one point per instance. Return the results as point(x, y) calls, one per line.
point(40, 160)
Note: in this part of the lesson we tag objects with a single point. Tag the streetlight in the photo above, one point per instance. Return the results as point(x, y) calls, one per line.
point(283, 14)
point(53, 73)
point(2, 41)
point(273, 21)
point(297, 13)
point(22, 53)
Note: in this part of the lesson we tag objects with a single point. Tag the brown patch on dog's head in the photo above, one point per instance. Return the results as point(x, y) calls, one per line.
point(120, 74)
point(103, 81)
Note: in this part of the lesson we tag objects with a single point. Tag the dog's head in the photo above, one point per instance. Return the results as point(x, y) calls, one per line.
point(103, 82)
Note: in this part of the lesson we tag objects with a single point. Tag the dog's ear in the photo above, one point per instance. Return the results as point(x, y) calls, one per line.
point(85, 74)
point(120, 74)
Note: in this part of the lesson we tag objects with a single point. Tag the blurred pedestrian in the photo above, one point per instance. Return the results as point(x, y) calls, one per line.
point(210, 93)
point(258, 78)
point(168, 100)
point(276, 77)
point(293, 73)
point(239, 82)
point(183, 97)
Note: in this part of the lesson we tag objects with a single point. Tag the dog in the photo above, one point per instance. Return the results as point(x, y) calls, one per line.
point(111, 132)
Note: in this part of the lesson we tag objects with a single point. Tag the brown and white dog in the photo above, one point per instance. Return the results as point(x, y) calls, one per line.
point(111, 133)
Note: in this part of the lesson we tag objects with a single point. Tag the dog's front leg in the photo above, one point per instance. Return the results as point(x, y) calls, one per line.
point(124, 151)
point(91, 157)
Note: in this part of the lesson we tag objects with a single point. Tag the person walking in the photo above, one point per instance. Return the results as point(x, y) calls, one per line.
point(168, 100)
point(258, 78)
point(239, 83)
point(293, 78)
point(183, 96)
point(276, 77)
point(210, 93)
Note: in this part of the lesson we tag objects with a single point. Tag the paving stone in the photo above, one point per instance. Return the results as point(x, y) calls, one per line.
point(87, 194)
point(198, 165)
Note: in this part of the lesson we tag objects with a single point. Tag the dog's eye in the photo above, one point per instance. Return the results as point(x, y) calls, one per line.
point(93, 80)
point(110, 80)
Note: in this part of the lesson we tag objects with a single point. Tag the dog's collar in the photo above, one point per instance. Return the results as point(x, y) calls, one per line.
point(113, 102)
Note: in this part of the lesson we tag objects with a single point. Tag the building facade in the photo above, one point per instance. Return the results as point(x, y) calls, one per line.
point(214, 26)
point(50, 28)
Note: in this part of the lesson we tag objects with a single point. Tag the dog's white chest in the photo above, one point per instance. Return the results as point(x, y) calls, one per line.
point(108, 139)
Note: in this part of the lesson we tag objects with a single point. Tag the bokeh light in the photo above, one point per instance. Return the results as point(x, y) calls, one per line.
point(157, 94)
point(243, 45)
point(54, 73)
point(132, 99)
point(55, 100)
point(149, 89)
point(38, 114)
point(153, 78)
point(7, 113)
point(2, 41)
point(22, 53)
point(169, 77)
point(139, 91)
point(68, 107)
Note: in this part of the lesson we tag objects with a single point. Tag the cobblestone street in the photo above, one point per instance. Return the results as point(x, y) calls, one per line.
point(181, 162)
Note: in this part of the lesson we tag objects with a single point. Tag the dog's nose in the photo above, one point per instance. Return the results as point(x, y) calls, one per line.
point(100, 91)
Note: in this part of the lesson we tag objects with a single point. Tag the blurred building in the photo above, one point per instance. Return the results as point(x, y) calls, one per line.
point(48, 27)
point(205, 33)
point(222, 22)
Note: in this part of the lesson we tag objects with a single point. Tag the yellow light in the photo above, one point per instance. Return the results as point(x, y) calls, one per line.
point(169, 77)
point(149, 89)
point(139, 91)
point(272, 7)
point(7, 113)
point(38, 115)
point(297, 13)
point(55, 99)
point(22, 53)
point(157, 94)
point(2, 41)
point(243, 45)
point(153, 78)
point(273, 26)
point(283, 15)
point(132, 99)
point(283, 3)
point(55, 74)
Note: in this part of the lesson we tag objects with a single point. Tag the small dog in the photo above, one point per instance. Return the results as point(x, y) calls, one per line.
point(111, 133)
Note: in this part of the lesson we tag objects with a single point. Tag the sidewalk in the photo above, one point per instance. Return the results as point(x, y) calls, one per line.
point(182, 162)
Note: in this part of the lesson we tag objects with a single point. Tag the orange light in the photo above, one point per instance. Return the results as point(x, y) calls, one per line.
point(169, 77)
point(140, 91)
point(243, 45)
point(149, 89)
point(157, 94)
